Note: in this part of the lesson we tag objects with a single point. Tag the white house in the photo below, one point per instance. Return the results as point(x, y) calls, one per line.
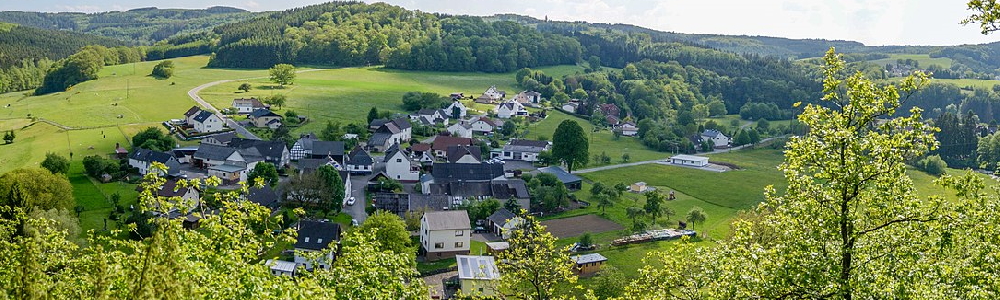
point(205, 121)
point(528, 97)
point(525, 150)
point(398, 130)
point(444, 234)
point(510, 109)
point(494, 93)
point(485, 125)
point(143, 158)
point(503, 222)
point(718, 139)
point(246, 106)
point(629, 129)
point(431, 115)
point(476, 275)
point(455, 104)
point(461, 129)
point(316, 236)
point(398, 165)
point(190, 196)
point(689, 160)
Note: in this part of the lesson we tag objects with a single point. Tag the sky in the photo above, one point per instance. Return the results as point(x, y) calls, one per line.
point(872, 22)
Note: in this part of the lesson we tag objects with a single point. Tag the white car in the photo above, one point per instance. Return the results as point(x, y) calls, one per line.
point(350, 201)
point(354, 222)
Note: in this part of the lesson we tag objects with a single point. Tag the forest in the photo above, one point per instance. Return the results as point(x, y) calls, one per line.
point(26, 53)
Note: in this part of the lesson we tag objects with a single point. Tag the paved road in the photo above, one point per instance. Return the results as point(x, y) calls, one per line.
point(610, 167)
point(357, 211)
point(193, 93)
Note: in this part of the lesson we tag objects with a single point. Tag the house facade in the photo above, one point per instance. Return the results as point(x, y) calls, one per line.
point(689, 160)
point(510, 109)
point(264, 118)
point(528, 97)
point(503, 222)
point(456, 105)
point(444, 234)
point(629, 129)
point(460, 129)
point(495, 94)
point(484, 125)
point(205, 121)
point(524, 150)
point(441, 144)
point(399, 166)
point(247, 106)
point(476, 275)
point(142, 159)
point(719, 140)
point(359, 162)
point(317, 236)
point(588, 264)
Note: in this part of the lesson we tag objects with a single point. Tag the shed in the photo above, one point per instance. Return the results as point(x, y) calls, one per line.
point(475, 274)
point(638, 187)
point(588, 264)
point(689, 160)
point(571, 181)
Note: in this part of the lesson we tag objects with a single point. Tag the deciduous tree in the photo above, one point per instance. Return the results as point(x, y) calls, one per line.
point(266, 172)
point(55, 163)
point(570, 144)
point(283, 74)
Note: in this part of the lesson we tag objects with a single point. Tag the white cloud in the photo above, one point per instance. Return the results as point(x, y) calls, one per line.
point(252, 5)
point(79, 8)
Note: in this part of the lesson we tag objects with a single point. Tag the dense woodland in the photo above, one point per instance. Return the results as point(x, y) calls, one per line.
point(26, 53)
point(144, 26)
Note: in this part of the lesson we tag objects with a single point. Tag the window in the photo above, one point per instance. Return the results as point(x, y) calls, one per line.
point(399, 160)
point(438, 245)
point(459, 244)
point(307, 239)
point(459, 233)
point(319, 241)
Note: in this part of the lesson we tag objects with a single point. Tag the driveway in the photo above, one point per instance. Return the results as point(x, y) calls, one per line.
point(357, 211)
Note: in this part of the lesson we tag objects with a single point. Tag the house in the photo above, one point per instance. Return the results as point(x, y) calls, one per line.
point(511, 109)
point(456, 106)
point(609, 109)
point(190, 113)
point(485, 125)
point(358, 161)
point(274, 152)
point(528, 97)
point(264, 196)
point(588, 264)
point(396, 131)
point(184, 154)
point(570, 107)
point(629, 129)
point(120, 152)
point(461, 129)
point(444, 234)
point(221, 139)
point(495, 94)
point(228, 163)
point(400, 204)
point(638, 187)
point(454, 96)
point(419, 149)
point(465, 154)
point(309, 165)
point(308, 146)
point(689, 160)
point(429, 116)
point(142, 159)
point(474, 181)
point(719, 140)
point(247, 106)
point(525, 150)
point(441, 144)
point(398, 165)
point(476, 275)
point(190, 196)
point(280, 267)
point(205, 121)
point(316, 236)
point(229, 173)
point(572, 182)
point(502, 222)
point(265, 118)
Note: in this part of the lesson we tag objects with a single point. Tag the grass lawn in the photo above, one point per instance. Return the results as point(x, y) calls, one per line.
point(601, 141)
point(96, 198)
point(923, 59)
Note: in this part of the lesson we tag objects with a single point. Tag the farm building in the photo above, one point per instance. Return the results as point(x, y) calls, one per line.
point(689, 160)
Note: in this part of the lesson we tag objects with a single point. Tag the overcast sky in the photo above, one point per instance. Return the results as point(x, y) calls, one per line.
point(873, 22)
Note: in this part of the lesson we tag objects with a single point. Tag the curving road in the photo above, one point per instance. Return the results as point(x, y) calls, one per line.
point(609, 167)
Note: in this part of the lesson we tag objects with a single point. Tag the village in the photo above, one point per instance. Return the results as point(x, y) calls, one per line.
point(436, 179)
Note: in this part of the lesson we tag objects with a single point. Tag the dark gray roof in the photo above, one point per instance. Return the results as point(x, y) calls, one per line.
point(529, 143)
point(224, 138)
point(272, 150)
point(563, 176)
point(389, 153)
point(457, 152)
point(402, 123)
point(501, 216)
point(447, 220)
point(260, 112)
point(379, 139)
point(169, 189)
point(442, 142)
point(712, 133)
point(378, 123)
point(588, 258)
point(312, 164)
point(448, 172)
point(431, 202)
point(150, 155)
point(191, 111)
point(360, 157)
point(320, 234)
point(427, 112)
point(213, 152)
point(510, 188)
point(202, 116)
point(265, 196)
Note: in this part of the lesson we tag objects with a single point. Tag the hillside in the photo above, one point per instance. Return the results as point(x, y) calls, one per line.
point(144, 26)
point(18, 43)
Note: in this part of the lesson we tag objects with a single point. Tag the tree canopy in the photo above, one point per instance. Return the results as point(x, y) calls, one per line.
point(570, 144)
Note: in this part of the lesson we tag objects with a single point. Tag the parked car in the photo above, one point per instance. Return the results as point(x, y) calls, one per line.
point(579, 248)
point(479, 229)
point(354, 222)
point(350, 201)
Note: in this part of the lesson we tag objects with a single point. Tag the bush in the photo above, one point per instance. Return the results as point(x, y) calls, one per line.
point(933, 165)
point(164, 69)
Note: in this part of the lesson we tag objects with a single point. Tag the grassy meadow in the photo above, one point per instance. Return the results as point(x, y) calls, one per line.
point(923, 60)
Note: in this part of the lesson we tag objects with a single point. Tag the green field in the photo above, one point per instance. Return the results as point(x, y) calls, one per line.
point(975, 83)
point(923, 60)
point(600, 141)
point(347, 94)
